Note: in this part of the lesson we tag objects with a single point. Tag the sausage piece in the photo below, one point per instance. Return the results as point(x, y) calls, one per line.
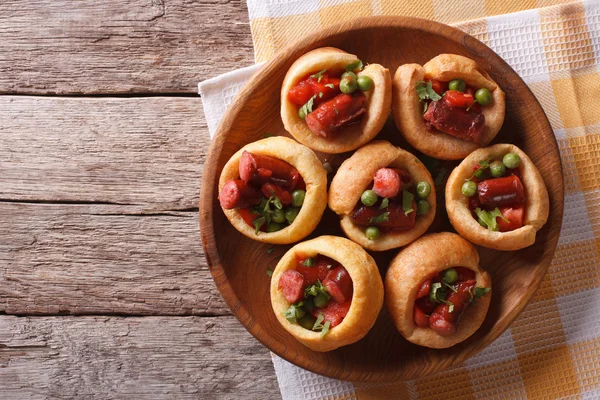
point(292, 285)
point(339, 284)
point(237, 194)
point(270, 189)
point(504, 191)
point(387, 183)
point(335, 113)
point(397, 220)
point(454, 121)
point(259, 169)
point(442, 320)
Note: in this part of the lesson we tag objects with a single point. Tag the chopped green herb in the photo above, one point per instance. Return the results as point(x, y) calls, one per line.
point(315, 289)
point(437, 294)
point(329, 266)
point(483, 165)
point(425, 106)
point(318, 323)
point(325, 329)
point(468, 108)
point(308, 107)
point(320, 94)
point(358, 64)
point(385, 217)
point(269, 272)
point(488, 218)
point(330, 85)
point(449, 287)
point(449, 304)
point(425, 91)
point(309, 262)
point(258, 222)
point(407, 200)
point(294, 312)
point(384, 204)
point(319, 75)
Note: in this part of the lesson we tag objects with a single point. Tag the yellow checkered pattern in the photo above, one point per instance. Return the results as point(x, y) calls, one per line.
point(553, 349)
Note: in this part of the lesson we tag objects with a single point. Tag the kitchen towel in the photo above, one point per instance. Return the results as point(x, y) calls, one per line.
point(553, 349)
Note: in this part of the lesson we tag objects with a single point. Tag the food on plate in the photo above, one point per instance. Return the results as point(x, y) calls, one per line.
point(384, 196)
point(326, 292)
point(436, 293)
point(448, 107)
point(332, 102)
point(274, 190)
point(497, 198)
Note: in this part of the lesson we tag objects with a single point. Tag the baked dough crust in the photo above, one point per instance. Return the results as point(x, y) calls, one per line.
point(353, 177)
point(407, 108)
point(379, 101)
point(537, 204)
point(311, 170)
point(367, 299)
point(412, 266)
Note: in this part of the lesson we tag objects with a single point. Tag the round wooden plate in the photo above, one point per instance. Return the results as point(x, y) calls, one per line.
point(239, 265)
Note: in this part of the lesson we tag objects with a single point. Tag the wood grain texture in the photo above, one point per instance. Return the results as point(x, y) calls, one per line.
point(120, 46)
point(383, 355)
point(145, 151)
point(135, 358)
point(103, 259)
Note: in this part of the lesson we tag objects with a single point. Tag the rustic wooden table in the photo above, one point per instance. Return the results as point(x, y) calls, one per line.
point(105, 291)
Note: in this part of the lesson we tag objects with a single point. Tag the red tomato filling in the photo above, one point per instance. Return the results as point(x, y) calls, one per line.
point(329, 280)
point(436, 315)
point(391, 184)
point(456, 114)
point(261, 178)
point(507, 193)
point(331, 109)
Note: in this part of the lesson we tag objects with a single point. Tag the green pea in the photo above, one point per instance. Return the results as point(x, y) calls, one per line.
point(372, 232)
point(458, 85)
point(321, 300)
point(469, 188)
point(274, 227)
point(423, 189)
point(497, 169)
point(450, 276)
point(483, 96)
point(291, 214)
point(298, 197)
point(369, 198)
point(308, 305)
point(423, 207)
point(302, 112)
point(278, 216)
point(350, 74)
point(348, 85)
point(364, 83)
point(511, 160)
point(307, 322)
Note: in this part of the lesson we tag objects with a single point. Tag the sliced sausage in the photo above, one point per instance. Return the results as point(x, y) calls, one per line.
point(259, 169)
point(335, 113)
point(387, 183)
point(514, 215)
point(292, 284)
point(334, 312)
point(339, 284)
point(421, 319)
point(504, 191)
point(237, 194)
point(318, 271)
point(454, 121)
point(442, 320)
point(397, 219)
point(424, 289)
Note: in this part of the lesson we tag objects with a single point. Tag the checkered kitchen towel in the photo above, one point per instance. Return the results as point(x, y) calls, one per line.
point(553, 349)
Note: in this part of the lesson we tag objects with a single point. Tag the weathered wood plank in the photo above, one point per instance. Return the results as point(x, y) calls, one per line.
point(146, 151)
point(103, 259)
point(120, 46)
point(135, 358)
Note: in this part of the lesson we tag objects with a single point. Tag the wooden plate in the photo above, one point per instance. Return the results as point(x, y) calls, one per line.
point(239, 265)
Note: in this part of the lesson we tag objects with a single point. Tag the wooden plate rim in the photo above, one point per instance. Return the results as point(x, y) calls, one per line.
point(210, 178)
